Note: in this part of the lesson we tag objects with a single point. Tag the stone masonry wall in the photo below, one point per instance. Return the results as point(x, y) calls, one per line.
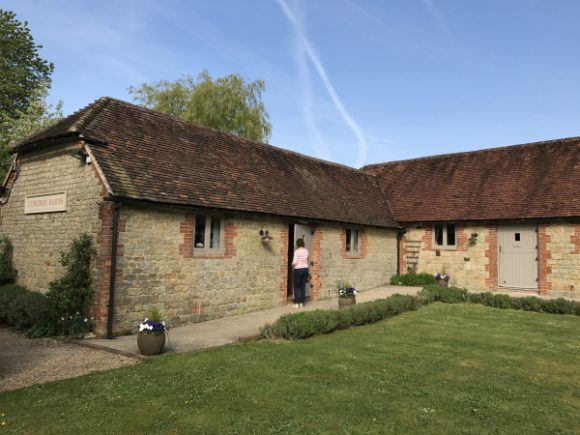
point(563, 261)
point(38, 239)
point(158, 270)
point(467, 265)
point(373, 268)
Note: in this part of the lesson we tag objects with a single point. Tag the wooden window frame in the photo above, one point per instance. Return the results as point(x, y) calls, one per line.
point(207, 235)
point(445, 230)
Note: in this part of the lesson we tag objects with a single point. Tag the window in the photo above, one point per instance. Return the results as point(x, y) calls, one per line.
point(208, 233)
point(352, 242)
point(444, 235)
point(517, 237)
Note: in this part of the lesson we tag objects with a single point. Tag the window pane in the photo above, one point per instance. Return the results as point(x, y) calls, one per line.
point(438, 234)
point(517, 237)
point(355, 241)
point(451, 234)
point(214, 237)
point(199, 239)
point(348, 235)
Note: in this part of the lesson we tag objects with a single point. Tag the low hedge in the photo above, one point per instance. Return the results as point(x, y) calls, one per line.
point(527, 303)
point(7, 294)
point(448, 295)
point(413, 279)
point(308, 323)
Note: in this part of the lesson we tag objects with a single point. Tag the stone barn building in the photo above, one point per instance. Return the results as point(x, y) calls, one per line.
point(203, 224)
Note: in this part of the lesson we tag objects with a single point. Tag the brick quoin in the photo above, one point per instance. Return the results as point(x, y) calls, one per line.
point(103, 265)
point(284, 265)
point(428, 238)
point(316, 258)
point(544, 254)
point(403, 253)
point(575, 238)
point(491, 255)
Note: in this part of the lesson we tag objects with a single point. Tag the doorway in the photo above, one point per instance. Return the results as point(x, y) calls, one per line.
point(518, 256)
point(295, 232)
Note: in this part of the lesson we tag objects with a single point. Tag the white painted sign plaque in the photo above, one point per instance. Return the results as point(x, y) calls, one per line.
point(46, 203)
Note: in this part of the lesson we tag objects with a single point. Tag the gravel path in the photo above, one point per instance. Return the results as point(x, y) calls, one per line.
point(25, 362)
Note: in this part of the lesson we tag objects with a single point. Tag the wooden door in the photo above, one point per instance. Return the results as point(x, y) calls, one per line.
point(518, 256)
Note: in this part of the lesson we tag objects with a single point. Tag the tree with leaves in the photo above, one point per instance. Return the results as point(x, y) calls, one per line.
point(229, 104)
point(24, 83)
point(22, 70)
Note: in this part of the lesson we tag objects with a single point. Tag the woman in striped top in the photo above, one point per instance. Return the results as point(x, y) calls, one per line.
point(300, 264)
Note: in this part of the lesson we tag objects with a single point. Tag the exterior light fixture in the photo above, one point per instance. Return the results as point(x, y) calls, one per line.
point(82, 156)
point(265, 236)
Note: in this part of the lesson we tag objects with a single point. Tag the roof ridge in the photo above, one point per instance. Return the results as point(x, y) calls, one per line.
point(91, 111)
point(239, 138)
point(484, 150)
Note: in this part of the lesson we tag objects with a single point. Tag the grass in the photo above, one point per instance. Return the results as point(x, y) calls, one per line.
point(445, 368)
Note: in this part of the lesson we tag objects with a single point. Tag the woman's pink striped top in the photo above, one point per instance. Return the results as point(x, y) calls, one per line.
point(300, 260)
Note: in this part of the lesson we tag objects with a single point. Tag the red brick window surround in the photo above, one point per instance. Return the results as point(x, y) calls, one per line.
point(207, 236)
point(354, 243)
point(444, 236)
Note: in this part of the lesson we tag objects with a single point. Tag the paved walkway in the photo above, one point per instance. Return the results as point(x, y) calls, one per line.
point(228, 330)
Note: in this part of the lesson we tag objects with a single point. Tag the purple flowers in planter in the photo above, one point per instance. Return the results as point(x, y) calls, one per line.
point(149, 326)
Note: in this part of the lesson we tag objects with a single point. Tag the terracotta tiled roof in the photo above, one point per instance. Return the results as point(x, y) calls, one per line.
point(537, 180)
point(149, 156)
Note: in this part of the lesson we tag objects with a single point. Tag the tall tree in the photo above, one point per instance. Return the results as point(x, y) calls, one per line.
point(24, 82)
point(229, 104)
point(37, 116)
point(22, 70)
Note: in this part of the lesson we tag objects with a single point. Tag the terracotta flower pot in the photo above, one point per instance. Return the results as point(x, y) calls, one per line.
point(346, 302)
point(150, 344)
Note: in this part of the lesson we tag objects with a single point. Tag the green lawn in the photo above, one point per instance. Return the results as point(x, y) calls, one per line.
point(444, 368)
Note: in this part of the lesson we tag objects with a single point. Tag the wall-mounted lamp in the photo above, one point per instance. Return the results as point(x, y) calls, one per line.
point(82, 156)
point(265, 236)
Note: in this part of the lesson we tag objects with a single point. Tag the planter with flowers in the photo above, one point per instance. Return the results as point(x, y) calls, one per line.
point(442, 279)
point(346, 294)
point(151, 338)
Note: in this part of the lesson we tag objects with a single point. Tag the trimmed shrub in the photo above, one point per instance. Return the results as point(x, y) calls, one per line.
point(448, 295)
point(27, 309)
point(501, 301)
point(7, 294)
point(308, 323)
point(413, 279)
point(558, 306)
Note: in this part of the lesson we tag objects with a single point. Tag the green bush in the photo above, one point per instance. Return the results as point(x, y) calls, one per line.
point(559, 306)
point(71, 296)
point(27, 309)
point(448, 295)
point(501, 301)
point(7, 272)
point(413, 279)
point(308, 323)
point(7, 294)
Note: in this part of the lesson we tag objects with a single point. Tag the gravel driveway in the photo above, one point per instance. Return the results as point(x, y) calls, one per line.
point(25, 362)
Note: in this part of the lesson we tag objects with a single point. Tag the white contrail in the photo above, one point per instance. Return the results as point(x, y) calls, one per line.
point(319, 67)
point(320, 145)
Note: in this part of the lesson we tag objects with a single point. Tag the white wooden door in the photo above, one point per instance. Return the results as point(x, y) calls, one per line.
point(303, 232)
point(518, 256)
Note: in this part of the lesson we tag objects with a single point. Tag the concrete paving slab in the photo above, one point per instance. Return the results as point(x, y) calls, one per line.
point(227, 330)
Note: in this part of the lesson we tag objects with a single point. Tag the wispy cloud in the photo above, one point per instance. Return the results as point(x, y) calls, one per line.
point(308, 52)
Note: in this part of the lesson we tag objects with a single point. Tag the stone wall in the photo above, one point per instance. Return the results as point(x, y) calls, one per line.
point(157, 266)
point(468, 265)
point(156, 269)
point(373, 268)
point(38, 239)
point(475, 266)
point(563, 259)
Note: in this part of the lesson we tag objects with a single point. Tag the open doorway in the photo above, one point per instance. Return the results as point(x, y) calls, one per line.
point(295, 232)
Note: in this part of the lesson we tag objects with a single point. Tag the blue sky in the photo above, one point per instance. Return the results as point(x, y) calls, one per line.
point(353, 81)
